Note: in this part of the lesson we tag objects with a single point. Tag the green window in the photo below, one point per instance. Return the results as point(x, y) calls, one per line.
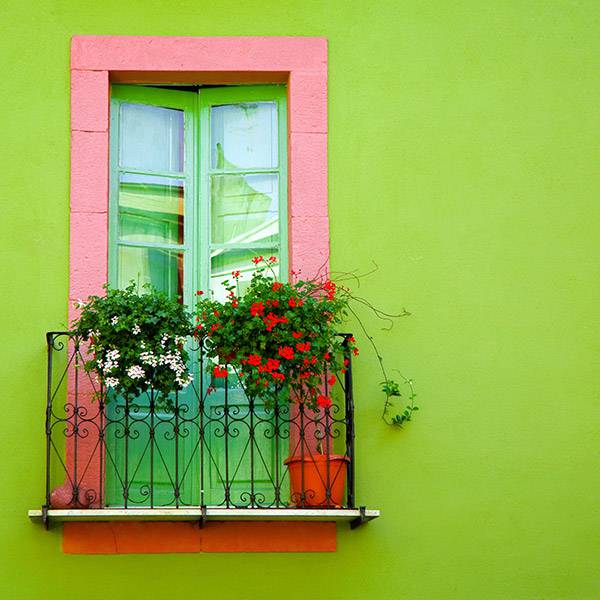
point(198, 187)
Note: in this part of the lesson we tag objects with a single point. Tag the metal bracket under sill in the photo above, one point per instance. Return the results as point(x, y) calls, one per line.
point(356, 516)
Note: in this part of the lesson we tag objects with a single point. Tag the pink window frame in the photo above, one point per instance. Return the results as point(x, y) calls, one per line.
point(96, 61)
point(300, 62)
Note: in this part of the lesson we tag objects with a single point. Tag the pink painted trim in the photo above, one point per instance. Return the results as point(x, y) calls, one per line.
point(303, 61)
point(149, 53)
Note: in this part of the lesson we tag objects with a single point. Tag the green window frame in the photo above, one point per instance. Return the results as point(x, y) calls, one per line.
point(196, 174)
point(183, 225)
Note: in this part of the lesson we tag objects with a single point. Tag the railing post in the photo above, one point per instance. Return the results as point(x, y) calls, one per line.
point(327, 434)
point(253, 503)
point(226, 432)
point(50, 349)
point(201, 422)
point(75, 498)
point(349, 397)
point(176, 491)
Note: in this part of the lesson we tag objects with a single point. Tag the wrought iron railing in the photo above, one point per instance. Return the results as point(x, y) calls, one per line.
point(213, 446)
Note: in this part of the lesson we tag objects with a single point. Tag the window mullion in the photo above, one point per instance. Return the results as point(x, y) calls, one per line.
point(165, 174)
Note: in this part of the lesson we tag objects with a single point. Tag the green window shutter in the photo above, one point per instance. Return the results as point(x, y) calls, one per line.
point(243, 180)
point(198, 187)
point(151, 235)
point(152, 188)
point(243, 213)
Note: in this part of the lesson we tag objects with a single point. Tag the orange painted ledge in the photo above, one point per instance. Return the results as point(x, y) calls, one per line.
point(136, 537)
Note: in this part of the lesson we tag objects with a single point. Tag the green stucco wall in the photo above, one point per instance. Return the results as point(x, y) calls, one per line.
point(464, 160)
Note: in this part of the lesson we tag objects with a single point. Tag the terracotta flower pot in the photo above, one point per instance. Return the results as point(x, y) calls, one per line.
point(62, 497)
point(312, 471)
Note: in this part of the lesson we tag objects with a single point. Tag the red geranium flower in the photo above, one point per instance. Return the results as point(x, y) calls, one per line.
point(254, 360)
point(296, 334)
point(235, 274)
point(257, 308)
point(272, 259)
point(220, 371)
point(277, 286)
point(331, 380)
point(330, 288)
point(272, 364)
point(303, 346)
point(199, 293)
point(286, 352)
point(257, 259)
point(272, 319)
point(323, 401)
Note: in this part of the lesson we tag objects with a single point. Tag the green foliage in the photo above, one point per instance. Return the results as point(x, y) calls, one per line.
point(391, 389)
point(136, 341)
point(281, 339)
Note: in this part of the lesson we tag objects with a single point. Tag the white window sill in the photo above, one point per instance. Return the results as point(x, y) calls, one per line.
point(354, 515)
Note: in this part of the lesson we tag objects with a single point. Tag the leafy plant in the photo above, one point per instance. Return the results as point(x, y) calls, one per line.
point(282, 340)
point(136, 341)
point(391, 389)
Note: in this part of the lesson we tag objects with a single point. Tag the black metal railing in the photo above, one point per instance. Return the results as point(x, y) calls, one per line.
point(211, 446)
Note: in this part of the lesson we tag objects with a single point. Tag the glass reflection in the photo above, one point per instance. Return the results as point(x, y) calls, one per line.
point(151, 138)
point(224, 261)
point(151, 209)
point(161, 268)
point(244, 208)
point(244, 136)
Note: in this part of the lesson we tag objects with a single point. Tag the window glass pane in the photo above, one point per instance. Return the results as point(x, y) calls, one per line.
point(161, 268)
point(244, 209)
point(151, 209)
point(244, 135)
point(151, 138)
point(223, 262)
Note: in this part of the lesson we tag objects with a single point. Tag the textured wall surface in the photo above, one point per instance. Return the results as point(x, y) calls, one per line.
point(464, 153)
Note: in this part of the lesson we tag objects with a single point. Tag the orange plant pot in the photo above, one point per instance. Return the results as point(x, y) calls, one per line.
point(317, 480)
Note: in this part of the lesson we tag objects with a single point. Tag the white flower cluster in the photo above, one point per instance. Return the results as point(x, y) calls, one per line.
point(149, 358)
point(111, 382)
point(184, 381)
point(174, 361)
point(136, 372)
point(136, 329)
point(114, 320)
point(111, 362)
